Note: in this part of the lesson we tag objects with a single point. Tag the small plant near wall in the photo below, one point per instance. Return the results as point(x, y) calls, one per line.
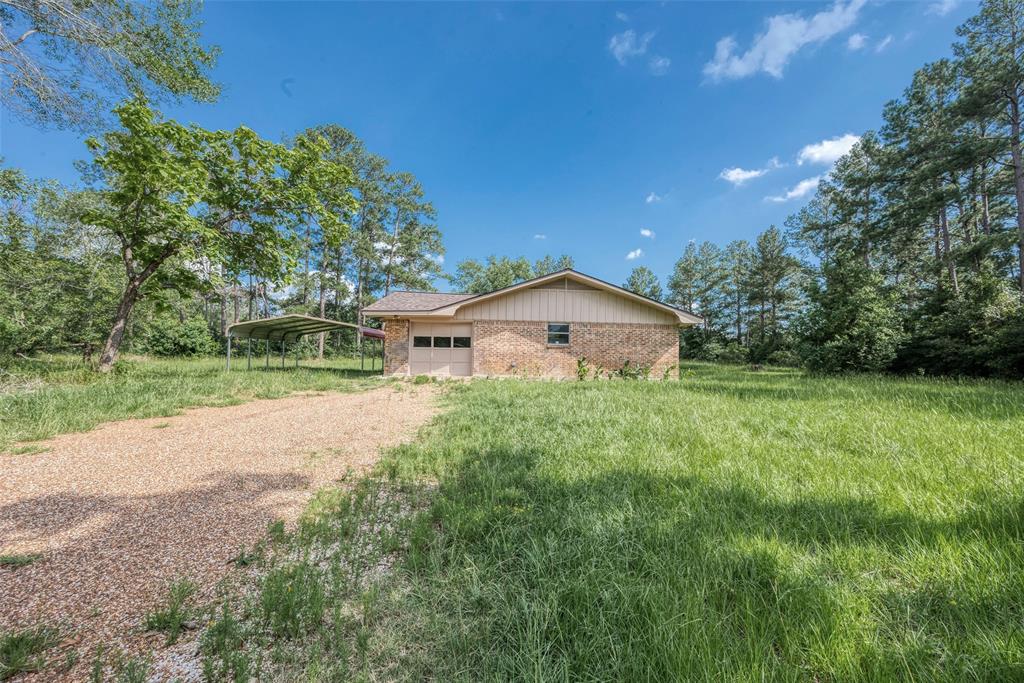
point(598, 372)
point(668, 372)
point(582, 368)
point(638, 371)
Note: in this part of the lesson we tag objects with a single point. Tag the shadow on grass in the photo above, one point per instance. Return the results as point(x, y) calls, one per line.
point(987, 400)
point(635, 576)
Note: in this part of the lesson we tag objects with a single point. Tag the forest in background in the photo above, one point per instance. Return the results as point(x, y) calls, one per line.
point(909, 258)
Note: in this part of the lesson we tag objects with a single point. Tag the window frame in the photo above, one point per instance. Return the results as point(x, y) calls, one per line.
point(441, 336)
point(430, 341)
point(567, 333)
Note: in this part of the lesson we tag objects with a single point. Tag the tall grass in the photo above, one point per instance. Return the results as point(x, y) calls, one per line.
point(731, 526)
point(55, 394)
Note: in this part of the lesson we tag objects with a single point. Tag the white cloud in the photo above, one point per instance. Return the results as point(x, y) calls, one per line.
point(540, 236)
point(942, 7)
point(883, 43)
point(737, 176)
point(436, 258)
point(801, 189)
point(625, 45)
point(659, 65)
point(635, 254)
point(646, 232)
point(622, 16)
point(856, 42)
point(653, 198)
point(783, 37)
point(827, 151)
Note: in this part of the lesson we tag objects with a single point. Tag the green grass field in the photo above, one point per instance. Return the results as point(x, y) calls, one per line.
point(731, 526)
point(734, 525)
point(51, 395)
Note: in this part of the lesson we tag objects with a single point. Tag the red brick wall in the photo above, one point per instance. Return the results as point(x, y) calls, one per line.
point(520, 348)
point(396, 347)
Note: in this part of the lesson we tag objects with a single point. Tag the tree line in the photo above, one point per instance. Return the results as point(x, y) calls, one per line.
point(175, 232)
point(910, 256)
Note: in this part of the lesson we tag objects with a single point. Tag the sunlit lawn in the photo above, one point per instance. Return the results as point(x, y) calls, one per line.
point(735, 525)
point(50, 395)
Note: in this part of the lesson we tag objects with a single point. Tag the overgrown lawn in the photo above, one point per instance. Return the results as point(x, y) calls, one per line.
point(49, 395)
point(734, 525)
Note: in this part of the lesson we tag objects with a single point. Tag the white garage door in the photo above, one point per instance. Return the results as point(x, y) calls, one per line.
point(441, 349)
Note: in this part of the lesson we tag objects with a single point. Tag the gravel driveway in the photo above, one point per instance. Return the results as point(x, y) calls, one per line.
point(119, 512)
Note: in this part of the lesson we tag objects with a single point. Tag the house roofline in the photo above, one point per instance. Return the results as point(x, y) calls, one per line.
point(684, 316)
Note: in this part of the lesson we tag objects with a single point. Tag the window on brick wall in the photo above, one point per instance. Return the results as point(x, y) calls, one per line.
point(558, 334)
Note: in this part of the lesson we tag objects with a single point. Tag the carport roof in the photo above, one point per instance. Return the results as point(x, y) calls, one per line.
point(286, 327)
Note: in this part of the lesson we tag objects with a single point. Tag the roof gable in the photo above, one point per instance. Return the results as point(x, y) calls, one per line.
point(578, 279)
point(440, 304)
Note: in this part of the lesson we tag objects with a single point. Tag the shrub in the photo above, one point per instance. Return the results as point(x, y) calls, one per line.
point(170, 337)
point(851, 323)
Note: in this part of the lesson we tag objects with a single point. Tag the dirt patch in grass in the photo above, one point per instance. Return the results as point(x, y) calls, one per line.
point(118, 514)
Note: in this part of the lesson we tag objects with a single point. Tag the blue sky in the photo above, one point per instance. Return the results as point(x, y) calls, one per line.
point(568, 128)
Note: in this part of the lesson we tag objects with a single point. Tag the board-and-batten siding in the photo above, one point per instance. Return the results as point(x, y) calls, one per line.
point(569, 306)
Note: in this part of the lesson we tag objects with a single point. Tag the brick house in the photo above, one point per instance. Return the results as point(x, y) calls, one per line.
point(535, 328)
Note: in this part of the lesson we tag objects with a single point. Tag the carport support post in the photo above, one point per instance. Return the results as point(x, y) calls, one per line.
point(381, 356)
point(284, 347)
point(296, 353)
point(267, 366)
point(248, 354)
point(229, 351)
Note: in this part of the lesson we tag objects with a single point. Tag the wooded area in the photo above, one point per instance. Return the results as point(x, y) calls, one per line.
point(910, 257)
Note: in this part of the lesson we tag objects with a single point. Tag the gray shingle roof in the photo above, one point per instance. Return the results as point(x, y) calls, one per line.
point(416, 301)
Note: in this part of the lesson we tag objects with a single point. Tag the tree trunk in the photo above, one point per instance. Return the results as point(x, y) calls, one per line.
point(223, 316)
point(116, 336)
point(337, 297)
point(359, 301)
point(1018, 184)
point(947, 256)
point(323, 312)
point(739, 318)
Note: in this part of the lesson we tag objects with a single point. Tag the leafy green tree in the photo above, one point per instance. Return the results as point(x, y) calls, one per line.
point(63, 62)
point(737, 263)
point(992, 57)
point(644, 282)
point(497, 272)
point(682, 284)
point(411, 248)
point(174, 196)
point(850, 323)
point(773, 292)
point(548, 264)
point(59, 277)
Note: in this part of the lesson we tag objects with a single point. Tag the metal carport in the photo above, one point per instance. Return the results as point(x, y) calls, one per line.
point(289, 328)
